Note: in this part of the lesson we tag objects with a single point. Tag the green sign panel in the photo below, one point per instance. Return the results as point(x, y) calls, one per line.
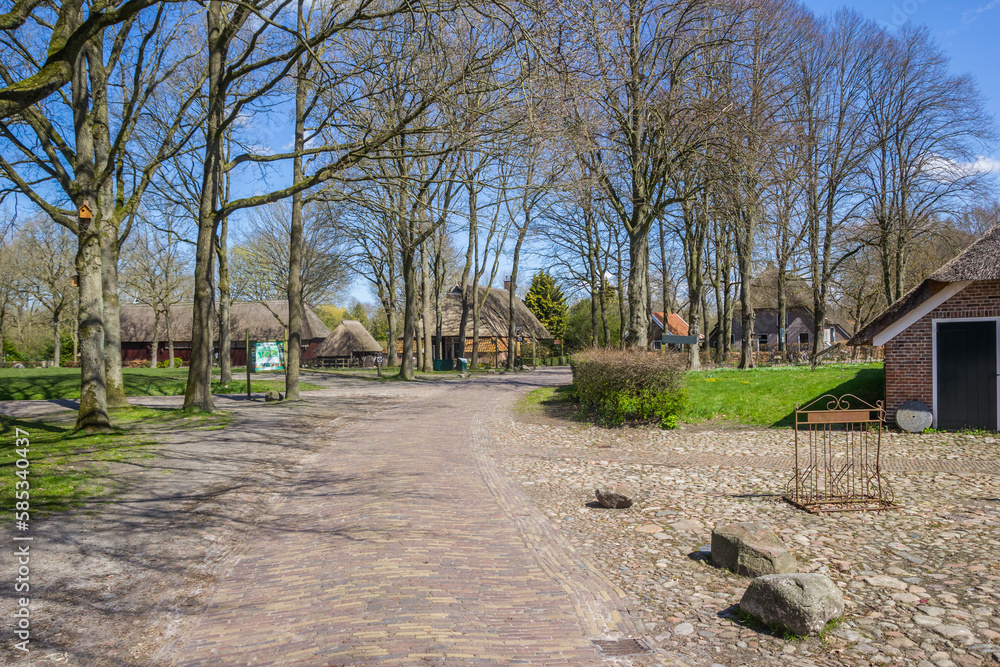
point(268, 356)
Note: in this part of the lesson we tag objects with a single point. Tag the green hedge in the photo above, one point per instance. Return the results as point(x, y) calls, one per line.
point(621, 386)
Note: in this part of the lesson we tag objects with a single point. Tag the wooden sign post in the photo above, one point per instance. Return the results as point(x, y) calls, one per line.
point(249, 362)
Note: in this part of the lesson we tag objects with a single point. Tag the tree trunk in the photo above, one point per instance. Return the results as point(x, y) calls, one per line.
point(782, 312)
point(511, 305)
point(198, 395)
point(470, 256)
point(428, 313)
point(112, 317)
point(663, 272)
point(155, 349)
point(170, 339)
point(58, 343)
point(621, 309)
point(744, 250)
point(225, 306)
point(296, 232)
point(638, 286)
point(93, 413)
point(594, 318)
point(746, 345)
point(409, 312)
point(392, 345)
point(475, 324)
point(695, 314)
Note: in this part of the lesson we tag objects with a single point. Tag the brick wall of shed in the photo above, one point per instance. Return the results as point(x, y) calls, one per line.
point(909, 362)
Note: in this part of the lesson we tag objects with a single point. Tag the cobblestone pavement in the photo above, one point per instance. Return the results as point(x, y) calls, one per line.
point(921, 584)
point(403, 544)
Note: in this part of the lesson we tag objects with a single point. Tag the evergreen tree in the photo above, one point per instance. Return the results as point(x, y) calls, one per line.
point(545, 299)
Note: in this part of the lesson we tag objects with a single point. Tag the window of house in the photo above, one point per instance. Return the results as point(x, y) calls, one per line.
point(657, 345)
point(762, 340)
point(803, 339)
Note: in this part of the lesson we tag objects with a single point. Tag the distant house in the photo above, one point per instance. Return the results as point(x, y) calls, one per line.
point(674, 325)
point(265, 320)
point(799, 330)
point(494, 318)
point(799, 326)
point(348, 345)
point(941, 341)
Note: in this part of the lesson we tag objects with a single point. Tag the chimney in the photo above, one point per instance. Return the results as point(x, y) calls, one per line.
point(506, 283)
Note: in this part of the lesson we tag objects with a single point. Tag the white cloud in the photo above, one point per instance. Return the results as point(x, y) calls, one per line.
point(970, 15)
point(947, 170)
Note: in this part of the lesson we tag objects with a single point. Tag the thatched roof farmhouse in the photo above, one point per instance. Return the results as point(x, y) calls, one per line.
point(265, 320)
point(941, 340)
point(349, 340)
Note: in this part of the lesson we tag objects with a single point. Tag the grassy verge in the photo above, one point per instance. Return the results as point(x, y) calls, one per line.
point(760, 397)
point(56, 383)
point(768, 396)
point(67, 469)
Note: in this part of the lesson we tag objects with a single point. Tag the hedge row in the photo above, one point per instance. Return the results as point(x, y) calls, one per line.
point(624, 386)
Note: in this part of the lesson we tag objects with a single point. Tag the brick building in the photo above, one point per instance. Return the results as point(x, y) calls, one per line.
point(941, 340)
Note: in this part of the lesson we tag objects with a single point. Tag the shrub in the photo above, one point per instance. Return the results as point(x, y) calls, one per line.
point(178, 362)
point(625, 386)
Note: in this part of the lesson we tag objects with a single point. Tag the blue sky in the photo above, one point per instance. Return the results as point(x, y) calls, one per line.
point(966, 29)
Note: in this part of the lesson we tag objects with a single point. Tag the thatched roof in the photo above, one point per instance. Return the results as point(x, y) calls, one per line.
point(493, 318)
point(266, 320)
point(349, 337)
point(980, 261)
point(764, 290)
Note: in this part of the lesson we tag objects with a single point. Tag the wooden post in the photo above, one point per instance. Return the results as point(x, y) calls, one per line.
point(248, 363)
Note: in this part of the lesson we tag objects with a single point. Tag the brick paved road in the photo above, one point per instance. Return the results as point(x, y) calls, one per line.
point(403, 544)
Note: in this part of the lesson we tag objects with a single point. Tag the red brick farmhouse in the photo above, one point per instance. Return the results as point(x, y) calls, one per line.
point(941, 341)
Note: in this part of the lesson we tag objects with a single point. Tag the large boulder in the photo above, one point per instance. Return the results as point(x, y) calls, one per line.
point(752, 550)
point(801, 603)
point(272, 396)
point(615, 497)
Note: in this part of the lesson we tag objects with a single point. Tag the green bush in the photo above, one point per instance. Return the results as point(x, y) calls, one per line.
point(624, 386)
point(178, 363)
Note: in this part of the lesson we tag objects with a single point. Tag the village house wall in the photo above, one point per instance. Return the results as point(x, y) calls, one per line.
point(909, 357)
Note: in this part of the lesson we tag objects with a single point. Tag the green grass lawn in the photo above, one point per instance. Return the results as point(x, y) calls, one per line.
point(18, 384)
point(761, 397)
point(52, 383)
point(768, 396)
point(69, 468)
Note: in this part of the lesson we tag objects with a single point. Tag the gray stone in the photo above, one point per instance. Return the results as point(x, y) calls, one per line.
point(914, 416)
point(272, 396)
point(958, 633)
point(751, 550)
point(885, 581)
point(615, 497)
point(684, 629)
point(802, 603)
point(18, 365)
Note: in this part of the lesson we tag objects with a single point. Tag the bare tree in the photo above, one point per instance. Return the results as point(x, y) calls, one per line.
point(640, 113)
point(46, 264)
point(926, 126)
point(156, 271)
